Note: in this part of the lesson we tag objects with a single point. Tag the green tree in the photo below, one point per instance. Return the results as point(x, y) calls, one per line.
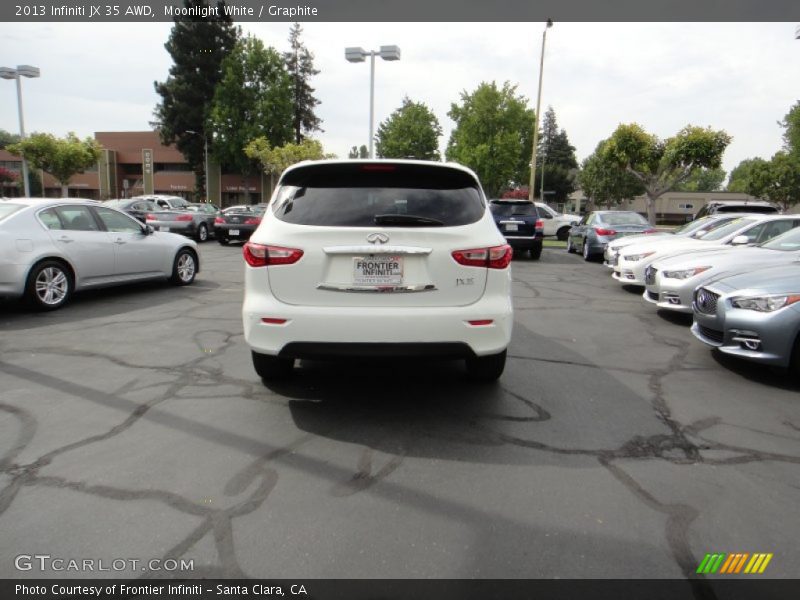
point(61, 157)
point(739, 180)
point(557, 156)
point(777, 180)
point(300, 66)
point(197, 46)
point(411, 131)
point(275, 160)
point(253, 100)
point(493, 136)
point(7, 138)
point(358, 152)
point(660, 165)
point(604, 183)
point(702, 180)
point(791, 136)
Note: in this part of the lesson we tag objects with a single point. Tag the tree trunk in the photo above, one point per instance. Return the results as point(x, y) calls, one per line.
point(64, 191)
point(651, 208)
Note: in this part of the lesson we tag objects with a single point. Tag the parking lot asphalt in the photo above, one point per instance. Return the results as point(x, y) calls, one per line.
point(132, 426)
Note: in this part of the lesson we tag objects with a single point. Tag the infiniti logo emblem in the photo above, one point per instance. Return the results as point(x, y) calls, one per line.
point(377, 238)
point(702, 299)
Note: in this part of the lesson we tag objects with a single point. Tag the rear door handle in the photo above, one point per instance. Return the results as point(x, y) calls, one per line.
point(119, 241)
point(65, 239)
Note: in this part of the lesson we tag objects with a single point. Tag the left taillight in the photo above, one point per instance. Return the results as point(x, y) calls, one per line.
point(184, 218)
point(602, 231)
point(252, 221)
point(539, 224)
point(219, 221)
point(261, 255)
point(149, 217)
point(496, 257)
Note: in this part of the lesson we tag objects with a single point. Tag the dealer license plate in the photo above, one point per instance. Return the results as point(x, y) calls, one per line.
point(233, 232)
point(511, 227)
point(378, 270)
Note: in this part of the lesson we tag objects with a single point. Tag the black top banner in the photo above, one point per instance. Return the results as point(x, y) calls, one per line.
point(406, 10)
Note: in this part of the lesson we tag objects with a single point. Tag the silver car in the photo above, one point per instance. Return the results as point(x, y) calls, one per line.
point(755, 316)
point(670, 282)
point(52, 248)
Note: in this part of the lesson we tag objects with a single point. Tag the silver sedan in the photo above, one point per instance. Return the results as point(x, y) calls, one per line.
point(755, 316)
point(52, 248)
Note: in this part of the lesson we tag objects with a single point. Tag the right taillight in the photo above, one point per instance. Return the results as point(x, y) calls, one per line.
point(496, 257)
point(149, 217)
point(219, 221)
point(261, 255)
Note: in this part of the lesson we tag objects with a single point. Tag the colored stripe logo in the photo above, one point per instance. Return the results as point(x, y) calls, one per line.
point(734, 563)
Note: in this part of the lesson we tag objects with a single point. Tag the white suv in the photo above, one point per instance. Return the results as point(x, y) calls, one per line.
point(377, 258)
point(556, 223)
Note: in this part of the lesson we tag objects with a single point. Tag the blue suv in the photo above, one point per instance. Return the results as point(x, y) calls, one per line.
point(519, 222)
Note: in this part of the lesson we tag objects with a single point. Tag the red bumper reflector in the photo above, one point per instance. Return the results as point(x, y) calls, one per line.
point(273, 321)
point(481, 322)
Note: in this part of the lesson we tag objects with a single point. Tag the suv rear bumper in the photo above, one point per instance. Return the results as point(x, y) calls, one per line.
point(394, 330)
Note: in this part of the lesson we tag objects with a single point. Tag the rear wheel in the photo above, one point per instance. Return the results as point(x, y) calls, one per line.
point(272, 367)
point(570, 247)
point(794, 363)
point(486, 368)
point(184, 268)
point(536, 252)
point(49, 285)
point(586, 255)
point(222, 240)
point(202, 233)
point(562, 234)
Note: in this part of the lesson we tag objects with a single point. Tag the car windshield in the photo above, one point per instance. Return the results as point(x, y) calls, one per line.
point(786, 242)
point(713, 224)
point(700, 223)
point(8, 209)
point(622, 218)
point(365, 195)
point(721, 232)
point(505, 209)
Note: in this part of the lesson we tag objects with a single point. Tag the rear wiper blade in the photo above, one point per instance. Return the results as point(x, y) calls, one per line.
point(407, 220)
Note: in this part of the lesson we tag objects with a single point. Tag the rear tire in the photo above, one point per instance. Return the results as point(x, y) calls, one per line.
point(486, 368)
point(184, 267)
point(202, 233)
point(223, 241)
point(49, 285)
point(562, 234)
point(272, 367)
point(570, 247)
point(794, 363)
point(585, 251)
point(536, 252)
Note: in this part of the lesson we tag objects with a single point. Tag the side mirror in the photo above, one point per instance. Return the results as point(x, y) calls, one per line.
point(148, 230)
point(740, 240)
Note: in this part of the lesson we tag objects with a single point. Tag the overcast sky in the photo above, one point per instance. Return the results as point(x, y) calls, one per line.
point(740, 77)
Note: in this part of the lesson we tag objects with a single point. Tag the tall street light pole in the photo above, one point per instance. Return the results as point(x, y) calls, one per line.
point(536, 116)
point(22, 71)
point(205, 157)
point(358, 54)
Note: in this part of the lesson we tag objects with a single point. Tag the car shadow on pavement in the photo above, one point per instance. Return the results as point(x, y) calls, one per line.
point(675, 318)
point(772, 376)
point(105, 302)
point(417, 407)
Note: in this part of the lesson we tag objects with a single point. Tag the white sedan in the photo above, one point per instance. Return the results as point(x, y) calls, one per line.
point(630, 269)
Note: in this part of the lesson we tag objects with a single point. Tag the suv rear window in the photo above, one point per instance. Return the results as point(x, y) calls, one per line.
point(369, 194)
point(506, 209)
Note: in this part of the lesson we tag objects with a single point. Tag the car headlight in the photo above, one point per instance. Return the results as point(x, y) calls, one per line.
point(765, 303)
point(638, 257)
point(684, 273)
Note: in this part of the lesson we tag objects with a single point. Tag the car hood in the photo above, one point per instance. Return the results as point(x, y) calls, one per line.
point(724, 258)
point(775, 279)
